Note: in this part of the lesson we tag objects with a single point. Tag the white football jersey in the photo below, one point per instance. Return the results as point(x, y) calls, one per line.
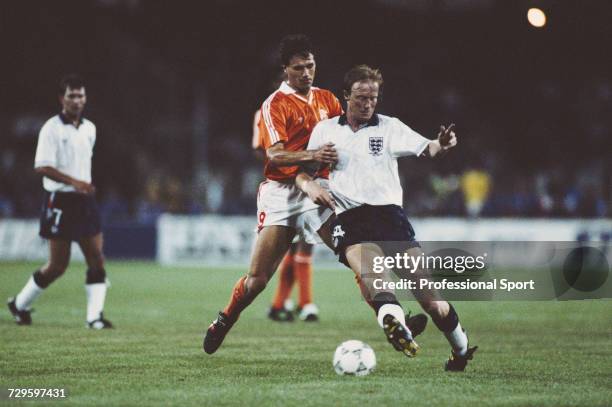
point(66, 148)
point(366, 172)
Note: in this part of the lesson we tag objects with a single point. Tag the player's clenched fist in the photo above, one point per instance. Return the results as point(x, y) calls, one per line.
point(446, 137)
point(327, 154)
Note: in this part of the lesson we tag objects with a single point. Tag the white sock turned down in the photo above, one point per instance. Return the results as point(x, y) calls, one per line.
point(458, 340)
point(96, 294)
point(27, 295)
point(394, 310)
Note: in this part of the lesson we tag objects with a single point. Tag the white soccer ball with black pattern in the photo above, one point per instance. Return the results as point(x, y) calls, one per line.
point(354, 358)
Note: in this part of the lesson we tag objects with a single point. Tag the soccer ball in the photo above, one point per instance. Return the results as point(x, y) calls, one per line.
point(354, 358)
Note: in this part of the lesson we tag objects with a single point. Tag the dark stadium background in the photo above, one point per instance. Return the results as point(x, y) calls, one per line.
point(173, 87)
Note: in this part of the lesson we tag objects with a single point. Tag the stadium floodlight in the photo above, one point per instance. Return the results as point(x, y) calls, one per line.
point(536, 17)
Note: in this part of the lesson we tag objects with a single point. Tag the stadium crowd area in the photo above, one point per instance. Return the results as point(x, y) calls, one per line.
point(174, 112)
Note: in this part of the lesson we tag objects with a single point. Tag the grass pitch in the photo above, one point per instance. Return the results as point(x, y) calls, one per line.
point(531, 353)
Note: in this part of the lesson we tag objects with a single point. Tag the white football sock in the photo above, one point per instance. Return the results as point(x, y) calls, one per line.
point(394, 310)
point(27, 295)
point(458, 340)
point(96, 294)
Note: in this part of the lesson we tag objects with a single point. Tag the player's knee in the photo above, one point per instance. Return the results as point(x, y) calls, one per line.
point(436, 308)
point(256, 283)
point(57, 265)
point(95, 260)
point(45, 276)
point(55, 268)
point(95, 276)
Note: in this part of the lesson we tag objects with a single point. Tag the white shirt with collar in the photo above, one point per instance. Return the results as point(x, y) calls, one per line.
point(366, 172)
point(66, 148)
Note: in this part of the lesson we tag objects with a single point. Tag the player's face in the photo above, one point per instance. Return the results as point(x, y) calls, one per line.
point(300, 73)
point(362, 101)
point(73, 101)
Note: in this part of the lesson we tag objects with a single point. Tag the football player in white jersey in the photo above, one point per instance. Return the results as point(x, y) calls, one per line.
point(367, 197)
point(69, 211)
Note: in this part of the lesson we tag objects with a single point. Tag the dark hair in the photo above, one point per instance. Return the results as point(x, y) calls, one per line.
point(361, 73)
point(72, 81)
point(292, 45)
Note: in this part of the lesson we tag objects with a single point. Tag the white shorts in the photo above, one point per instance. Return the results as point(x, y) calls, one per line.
point(284, 204)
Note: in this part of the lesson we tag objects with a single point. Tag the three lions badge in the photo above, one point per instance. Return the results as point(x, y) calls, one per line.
point(376, 145)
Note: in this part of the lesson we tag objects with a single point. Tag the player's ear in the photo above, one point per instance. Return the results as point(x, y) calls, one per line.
point(347, 95)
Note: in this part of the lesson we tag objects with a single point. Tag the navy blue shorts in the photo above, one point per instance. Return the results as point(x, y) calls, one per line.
point(367, 223)
point(69, 216)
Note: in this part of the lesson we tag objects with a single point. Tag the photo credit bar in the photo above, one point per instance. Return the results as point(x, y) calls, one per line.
point(489, 271)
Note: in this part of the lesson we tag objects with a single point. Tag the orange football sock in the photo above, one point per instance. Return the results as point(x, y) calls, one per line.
point(302, 266)
point(235, 305)
point(285, 282)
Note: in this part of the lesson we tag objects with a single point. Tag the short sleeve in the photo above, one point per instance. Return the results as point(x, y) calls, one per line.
point(46, 149)
point(256, 140)
point(405, 141)
point(335, 108)
point(273, 123)
point(93, 135)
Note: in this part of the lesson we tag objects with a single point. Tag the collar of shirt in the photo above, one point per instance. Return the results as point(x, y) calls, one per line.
point(288, 90)
point(66, 120)
point(374, 121)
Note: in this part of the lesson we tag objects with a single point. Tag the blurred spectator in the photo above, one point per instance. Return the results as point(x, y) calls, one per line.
point(6, 207)
point(475, 185)
point(150, 207)
point(215, 192)
point(174, 196)
point(113, 207)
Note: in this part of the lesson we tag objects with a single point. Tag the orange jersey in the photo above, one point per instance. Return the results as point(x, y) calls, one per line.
point(289, 118)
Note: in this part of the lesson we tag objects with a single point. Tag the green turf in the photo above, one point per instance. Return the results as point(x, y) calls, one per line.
point(535, 353)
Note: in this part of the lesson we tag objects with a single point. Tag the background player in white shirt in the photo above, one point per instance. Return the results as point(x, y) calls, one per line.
point(69, 211)
point(367, 197)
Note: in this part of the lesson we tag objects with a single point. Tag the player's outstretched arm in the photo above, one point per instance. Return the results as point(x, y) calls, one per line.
point(279, 156)
point(445, 141)
point(315, 192)
point(56, 175)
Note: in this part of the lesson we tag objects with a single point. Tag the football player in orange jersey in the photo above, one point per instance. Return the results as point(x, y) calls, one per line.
point(297, 263)
point(286, 120)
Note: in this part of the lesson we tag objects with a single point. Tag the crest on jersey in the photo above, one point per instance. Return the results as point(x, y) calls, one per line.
point(376, 145)
point(323, 114)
